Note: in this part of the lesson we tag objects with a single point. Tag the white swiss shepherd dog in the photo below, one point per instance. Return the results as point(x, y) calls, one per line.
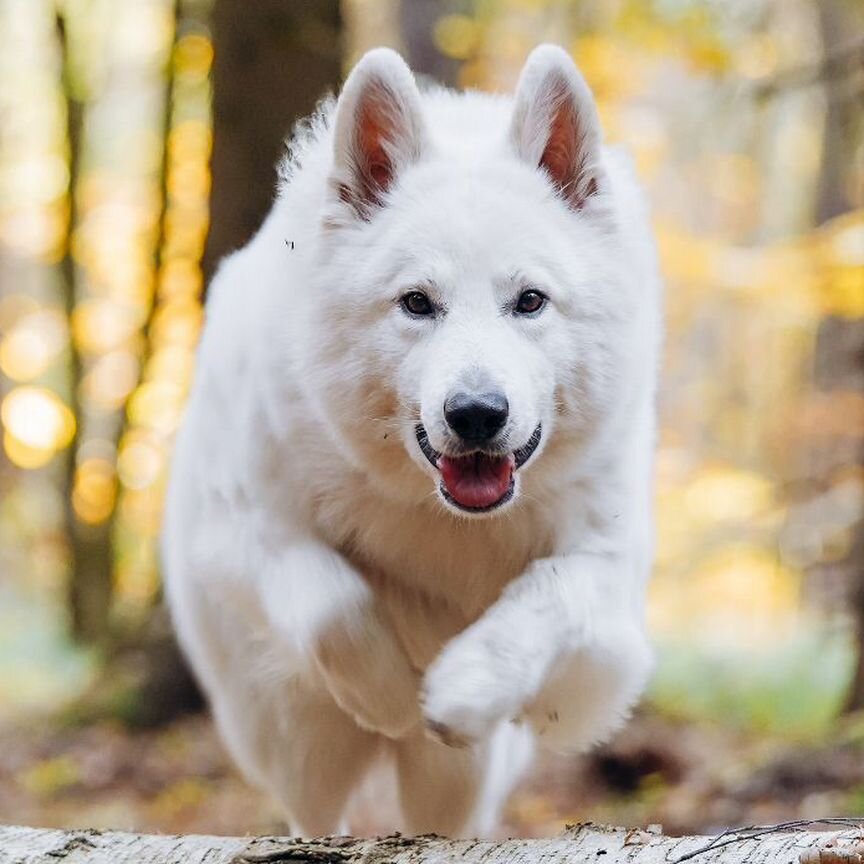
point(410, 511)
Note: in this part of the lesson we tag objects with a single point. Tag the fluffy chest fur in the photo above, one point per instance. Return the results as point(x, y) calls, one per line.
point(434, 577)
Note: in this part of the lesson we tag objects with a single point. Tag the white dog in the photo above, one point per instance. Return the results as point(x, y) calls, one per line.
point(410, 507)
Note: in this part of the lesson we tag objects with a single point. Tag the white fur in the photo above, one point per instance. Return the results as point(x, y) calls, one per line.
point(331, 602)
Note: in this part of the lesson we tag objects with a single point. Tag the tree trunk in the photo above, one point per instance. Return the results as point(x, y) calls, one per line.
point(840, 342)
point(90, 546)
point(581, 843)
point(274, 60)
point(840, 29)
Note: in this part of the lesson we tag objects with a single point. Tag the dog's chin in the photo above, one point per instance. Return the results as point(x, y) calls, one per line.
point(478, 483)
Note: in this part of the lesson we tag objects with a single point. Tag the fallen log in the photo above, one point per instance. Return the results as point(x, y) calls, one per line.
point(789, 843)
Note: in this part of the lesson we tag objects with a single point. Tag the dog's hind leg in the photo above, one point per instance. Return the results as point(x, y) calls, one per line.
point(511, 751)
point(325, 756)
point(460, 791)
point(301, 747)
point(438, 785)
point(322, 757)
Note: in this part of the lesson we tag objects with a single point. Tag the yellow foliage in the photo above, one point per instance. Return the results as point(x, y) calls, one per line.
point(141, 510)
point(708, 54)
point(102, 324)
point(111, 379)
point(186, 231)
point(179, 796)
point(531, 5)
point(719, 494)
point(14, 307)
point(756, 57)
point(94, 490)
point(843, 292)
point(738, 595)
point(644, 130)
point(157, 405)
point(33, 344)
point(191, 139)
point(34, 230)
point(177, 322)
point(39, 178)
point(180, 276)
point(189, 181)
point(456, 36)
point(733, 177)
point(841, 247)
point(143, 33)
point(140, 462)
point(685, 257)
point(193, 55)
point(135, 581)
point(25, 456)
point(50, 776)
point(533, 809)
point(612, 71)
point(104, 195)
point(845, 236)
point(38, 424)
point(171, 363)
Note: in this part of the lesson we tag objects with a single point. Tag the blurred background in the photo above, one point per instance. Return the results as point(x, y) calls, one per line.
point(137, 145)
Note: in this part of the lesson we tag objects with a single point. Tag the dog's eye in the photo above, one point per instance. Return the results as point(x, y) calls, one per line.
point(417, 303)
point(530, 302)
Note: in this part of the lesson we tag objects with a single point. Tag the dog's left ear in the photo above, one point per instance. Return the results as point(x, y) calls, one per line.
point(379, 129)
point(555, 124)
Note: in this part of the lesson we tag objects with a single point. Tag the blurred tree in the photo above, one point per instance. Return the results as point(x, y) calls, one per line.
point(839, 352)
point(419, 21)
point(89, 544)
point(274, 60)
point(145, 680)
point(839, 21)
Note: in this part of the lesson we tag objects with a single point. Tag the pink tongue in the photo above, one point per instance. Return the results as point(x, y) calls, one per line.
point(477, 480)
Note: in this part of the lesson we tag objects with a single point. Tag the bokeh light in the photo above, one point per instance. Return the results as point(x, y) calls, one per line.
point(37, 424)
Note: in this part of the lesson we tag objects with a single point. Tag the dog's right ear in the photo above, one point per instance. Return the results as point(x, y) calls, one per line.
point(378, 131)
point(555, 125)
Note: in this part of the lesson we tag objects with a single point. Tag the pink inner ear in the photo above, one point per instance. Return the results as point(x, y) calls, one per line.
point(373, 130)
point(558, 157)
point(563, 158)
point(381, 174)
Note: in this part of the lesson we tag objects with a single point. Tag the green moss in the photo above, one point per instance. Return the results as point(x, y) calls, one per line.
point(795, 689)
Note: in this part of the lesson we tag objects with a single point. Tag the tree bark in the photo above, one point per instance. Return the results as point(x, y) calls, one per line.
point(581, 843)
point(90, 546)
point(273, 61)
point(838, 25)
point(839, 351)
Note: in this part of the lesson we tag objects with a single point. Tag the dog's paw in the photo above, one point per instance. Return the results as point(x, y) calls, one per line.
point(369, 675)
point(468, 690)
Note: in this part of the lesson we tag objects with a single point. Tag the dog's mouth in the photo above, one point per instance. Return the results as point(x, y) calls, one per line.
point(477, 482)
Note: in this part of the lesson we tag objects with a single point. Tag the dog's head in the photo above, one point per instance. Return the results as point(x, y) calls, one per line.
point(467, 282)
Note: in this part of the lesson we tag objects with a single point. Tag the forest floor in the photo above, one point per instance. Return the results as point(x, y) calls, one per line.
point(686, 777)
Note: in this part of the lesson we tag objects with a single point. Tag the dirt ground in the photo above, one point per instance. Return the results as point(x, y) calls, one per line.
point(178, 779)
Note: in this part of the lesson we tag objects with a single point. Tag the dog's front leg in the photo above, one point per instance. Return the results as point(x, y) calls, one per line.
point(563, 648)
point(325, 611)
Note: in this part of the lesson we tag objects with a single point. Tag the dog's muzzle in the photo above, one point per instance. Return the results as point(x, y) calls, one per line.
point(481, 480)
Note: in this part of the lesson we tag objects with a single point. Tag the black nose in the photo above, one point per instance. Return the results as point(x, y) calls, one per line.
point(476, 417)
